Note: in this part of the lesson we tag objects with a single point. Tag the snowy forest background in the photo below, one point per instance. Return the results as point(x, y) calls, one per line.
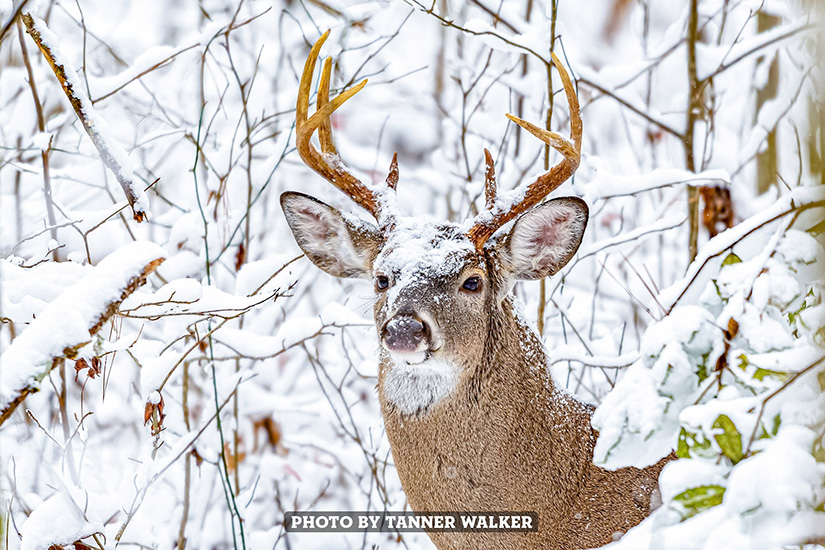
point(720, 358)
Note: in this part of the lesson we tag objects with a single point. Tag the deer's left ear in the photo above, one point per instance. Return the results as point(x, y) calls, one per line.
point(331, 241)
point(545, 238)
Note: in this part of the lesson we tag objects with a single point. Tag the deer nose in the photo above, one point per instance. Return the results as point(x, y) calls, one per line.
point(404, 333)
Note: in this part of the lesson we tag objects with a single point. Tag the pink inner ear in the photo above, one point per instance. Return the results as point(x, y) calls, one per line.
point(316, 224)
point(548, 235)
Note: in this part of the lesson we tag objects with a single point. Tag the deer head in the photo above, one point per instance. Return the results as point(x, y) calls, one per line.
point(437, 285)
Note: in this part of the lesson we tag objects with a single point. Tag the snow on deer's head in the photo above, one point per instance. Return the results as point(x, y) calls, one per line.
point(436, 284)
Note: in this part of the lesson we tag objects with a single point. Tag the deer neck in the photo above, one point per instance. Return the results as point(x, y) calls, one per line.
point(503, 431)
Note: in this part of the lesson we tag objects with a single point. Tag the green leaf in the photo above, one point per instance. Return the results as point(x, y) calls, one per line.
point(819, 451)
point(682, 449)
point(777, 420)
point(731, 259)
point(792, 315)
point(693, 445)
point(765, 434)
point(730, 440)
point(817, 229)
point(702, 373)
point(761, 373)
point(699, 499)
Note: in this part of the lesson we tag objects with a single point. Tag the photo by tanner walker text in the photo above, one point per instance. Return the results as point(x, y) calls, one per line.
point(455, 522)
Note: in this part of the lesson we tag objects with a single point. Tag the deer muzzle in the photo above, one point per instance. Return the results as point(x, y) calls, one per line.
point(405, 334)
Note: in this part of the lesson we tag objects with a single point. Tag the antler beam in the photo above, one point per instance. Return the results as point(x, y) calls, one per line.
point(500, 212)
point(327, 163)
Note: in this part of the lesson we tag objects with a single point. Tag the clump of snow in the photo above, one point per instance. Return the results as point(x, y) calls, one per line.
point(58, 521)
point(26, 291)
point(798, 249)
point(784, 477)
point(254, 275)
point(727, 239)
point(643, 409)
point(154, 398)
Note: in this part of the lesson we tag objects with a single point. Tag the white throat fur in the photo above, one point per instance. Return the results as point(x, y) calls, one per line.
point(416, 387)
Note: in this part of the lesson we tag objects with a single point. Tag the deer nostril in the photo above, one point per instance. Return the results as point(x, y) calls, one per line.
point(404, 333)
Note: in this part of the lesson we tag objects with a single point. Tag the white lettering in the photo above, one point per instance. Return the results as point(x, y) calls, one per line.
point(526, 522)
point(468, 522)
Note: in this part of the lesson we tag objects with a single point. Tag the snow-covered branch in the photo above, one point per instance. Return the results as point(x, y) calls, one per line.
point(70, 321)
point(113, 154)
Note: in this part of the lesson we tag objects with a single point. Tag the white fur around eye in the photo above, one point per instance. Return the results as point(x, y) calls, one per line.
point(415, 388)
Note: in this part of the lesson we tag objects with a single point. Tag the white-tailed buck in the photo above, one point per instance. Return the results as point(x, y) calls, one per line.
point(474, 419)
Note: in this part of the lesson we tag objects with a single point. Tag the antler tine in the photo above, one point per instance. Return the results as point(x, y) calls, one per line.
point(325, 129)
point(337, 174)
point(392, 177)
point(489, 181)
point(388, 203)
point(496, 215)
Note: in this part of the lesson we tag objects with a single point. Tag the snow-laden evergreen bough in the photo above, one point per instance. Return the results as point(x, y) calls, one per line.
point(736, 382)
point(474, 419)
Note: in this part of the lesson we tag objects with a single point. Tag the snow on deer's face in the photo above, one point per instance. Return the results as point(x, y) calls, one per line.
point(432, 293)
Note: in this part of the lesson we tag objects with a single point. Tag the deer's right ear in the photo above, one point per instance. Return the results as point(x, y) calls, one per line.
point(545, 238)
point(333, 243)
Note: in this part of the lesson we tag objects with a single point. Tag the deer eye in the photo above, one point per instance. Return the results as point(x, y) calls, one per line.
point(382, 282)
point(472, 284)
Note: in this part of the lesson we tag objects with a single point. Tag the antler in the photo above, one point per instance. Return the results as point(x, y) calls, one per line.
point(326, 163)
point(498, 212)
